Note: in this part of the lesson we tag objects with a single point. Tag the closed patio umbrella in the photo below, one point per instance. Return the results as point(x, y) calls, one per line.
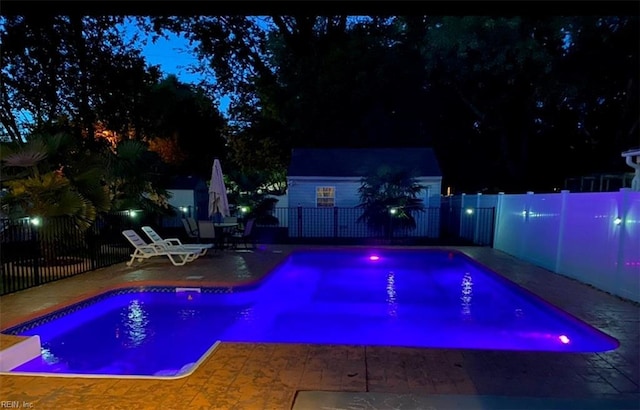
point(218, 201)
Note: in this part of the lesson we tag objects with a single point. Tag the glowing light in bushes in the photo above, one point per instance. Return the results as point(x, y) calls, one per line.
point(564, 339)
point(374, 258)
point(393, 211)
point(35, 221)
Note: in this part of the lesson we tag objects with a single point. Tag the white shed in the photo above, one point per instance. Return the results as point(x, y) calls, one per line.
point(330, 179)
point(190, 196)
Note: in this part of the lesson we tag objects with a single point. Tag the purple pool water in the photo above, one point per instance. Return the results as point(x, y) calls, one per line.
point(433, 299)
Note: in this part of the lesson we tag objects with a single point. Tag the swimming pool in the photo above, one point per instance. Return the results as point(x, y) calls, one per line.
point(430, 299)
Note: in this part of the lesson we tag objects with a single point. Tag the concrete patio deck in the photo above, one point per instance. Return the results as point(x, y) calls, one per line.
point(269, 376)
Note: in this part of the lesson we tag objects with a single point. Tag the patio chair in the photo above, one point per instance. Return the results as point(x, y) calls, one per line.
point(201, 248)
point(143, 250)
point(191, 227)
point(245, 236)
point(211, 234)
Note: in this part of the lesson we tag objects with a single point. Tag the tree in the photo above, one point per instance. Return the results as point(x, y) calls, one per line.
point(188, 130)
point(389, 199)
point(135, 177)
point(307, 81)
point(50, 179)
point(78, 68)
point(347, 82)
point(516, 95)
point(43, 182)
point(599, 103)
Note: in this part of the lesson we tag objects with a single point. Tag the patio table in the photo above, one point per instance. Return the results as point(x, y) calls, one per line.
point(222, 229)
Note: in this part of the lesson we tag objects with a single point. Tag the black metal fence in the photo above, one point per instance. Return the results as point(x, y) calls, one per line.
point(341, 223)
point(435, 225)
point(472, 226)
point(32, 255)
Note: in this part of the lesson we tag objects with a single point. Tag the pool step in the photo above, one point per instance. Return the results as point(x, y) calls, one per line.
point(18, 352)
point(197, 290)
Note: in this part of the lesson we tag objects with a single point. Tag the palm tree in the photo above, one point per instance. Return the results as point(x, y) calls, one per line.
point(49, 177)
point(389, 198)
point(135, 176)
point(50, 180)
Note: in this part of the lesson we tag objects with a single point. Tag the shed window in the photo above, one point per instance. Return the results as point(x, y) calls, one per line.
point(325, 196)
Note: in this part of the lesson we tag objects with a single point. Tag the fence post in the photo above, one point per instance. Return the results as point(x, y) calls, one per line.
point(422, 224)
point(299, 221)
point(461, 216)
point(522, 252)
point(476, 228)
point(622, 214)
point(38, 252)
point(497, 218)
point(564, 197)
point(94, 245)
point(335, 222)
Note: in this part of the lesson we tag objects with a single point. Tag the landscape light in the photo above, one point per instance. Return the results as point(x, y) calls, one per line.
point(469, 211)
point(35, 221)
point(393, 211)
point(244, 209)
point(184, 209)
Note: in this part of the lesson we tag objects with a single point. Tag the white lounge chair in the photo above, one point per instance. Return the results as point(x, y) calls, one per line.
point(143, 250)
point(201, 248)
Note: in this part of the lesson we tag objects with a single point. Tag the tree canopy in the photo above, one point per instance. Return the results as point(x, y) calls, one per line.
point(509, 103)
point(511, 98)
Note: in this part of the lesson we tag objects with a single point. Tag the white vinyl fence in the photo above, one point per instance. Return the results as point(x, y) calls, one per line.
point(593, 237)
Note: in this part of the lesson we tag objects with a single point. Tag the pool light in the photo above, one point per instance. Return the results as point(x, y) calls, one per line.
point(564, 339)
point(374, 258)
point(617, 221)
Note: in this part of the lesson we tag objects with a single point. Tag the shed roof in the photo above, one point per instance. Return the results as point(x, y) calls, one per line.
point(187, 183)
point(358, 162)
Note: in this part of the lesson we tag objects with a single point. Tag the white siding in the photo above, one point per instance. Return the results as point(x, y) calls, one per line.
point(196, 201)
point(323, 222)
point(182, 197)
point(432, 193)
point(302, 191)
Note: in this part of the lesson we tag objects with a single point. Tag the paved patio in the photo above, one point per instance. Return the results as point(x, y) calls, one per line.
point(269, 376)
